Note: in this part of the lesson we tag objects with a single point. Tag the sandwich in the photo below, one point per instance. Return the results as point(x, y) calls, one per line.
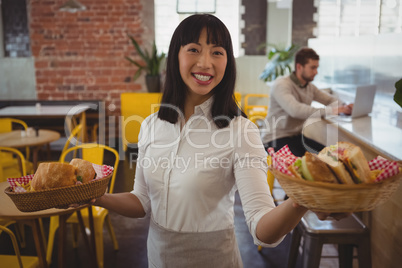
point(311, 168)
point(55, 174)
point(85, 171)
point(347, 161)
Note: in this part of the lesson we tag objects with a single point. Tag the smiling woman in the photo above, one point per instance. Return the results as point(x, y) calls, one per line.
point(195, 153)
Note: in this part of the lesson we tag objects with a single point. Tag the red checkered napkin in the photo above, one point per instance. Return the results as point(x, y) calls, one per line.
point(389, 168)
point(101, 171)
point(21, 181)
point(282, 159)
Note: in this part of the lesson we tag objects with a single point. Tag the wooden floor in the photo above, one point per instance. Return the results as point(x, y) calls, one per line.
point(132, 235)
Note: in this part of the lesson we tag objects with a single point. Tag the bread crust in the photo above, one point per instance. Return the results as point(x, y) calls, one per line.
point(318, 169)
point(294, 172)
point(84, 169)
point(54, 175)
point(336, 166)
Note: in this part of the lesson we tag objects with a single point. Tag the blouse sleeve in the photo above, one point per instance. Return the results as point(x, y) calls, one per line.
point(250, 171)
point(140, 186)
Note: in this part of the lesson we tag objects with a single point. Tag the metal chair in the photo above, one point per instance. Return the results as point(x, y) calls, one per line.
point(16, 260)
point(7, 159)
point(14, 166)
point(93, 153)
point(256, 112)
point(347, 233)
point(6, 125)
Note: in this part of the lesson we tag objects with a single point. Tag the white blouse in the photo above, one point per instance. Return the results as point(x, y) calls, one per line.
point(187, 177)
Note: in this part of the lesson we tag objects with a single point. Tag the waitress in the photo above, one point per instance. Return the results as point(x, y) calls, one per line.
point(195, 153)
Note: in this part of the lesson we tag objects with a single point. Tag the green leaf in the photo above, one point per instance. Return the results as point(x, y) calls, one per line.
point(398, 92)
point(280, 62)
point(151, 60)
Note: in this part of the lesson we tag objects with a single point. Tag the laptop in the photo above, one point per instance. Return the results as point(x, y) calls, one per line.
point(363, 103)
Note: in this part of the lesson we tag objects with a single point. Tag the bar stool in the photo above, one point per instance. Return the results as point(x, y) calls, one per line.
point(347, 233)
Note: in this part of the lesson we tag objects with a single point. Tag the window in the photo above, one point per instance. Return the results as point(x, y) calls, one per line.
point(167, 18)
point(357, 17)
point(15, 28)
point(196, 6)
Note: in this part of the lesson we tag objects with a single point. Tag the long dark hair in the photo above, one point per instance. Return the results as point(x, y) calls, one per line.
point(224, 107)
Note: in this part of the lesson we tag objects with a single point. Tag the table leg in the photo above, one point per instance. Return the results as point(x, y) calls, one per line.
point(35, 153)
point(62, 239)
point(39, 243)
point(91, 248)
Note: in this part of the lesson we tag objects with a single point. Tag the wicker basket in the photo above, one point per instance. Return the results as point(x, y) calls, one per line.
point(329, 197)
point(58, 197)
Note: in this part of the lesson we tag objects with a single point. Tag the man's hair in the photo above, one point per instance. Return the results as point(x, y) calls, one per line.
point(305, 54)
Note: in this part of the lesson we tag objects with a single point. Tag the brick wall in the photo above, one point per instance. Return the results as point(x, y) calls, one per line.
point(302, 21)
point(80, 55)
point(255, 29)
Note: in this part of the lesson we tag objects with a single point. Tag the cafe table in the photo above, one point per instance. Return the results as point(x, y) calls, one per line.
point(20, 139)
point(8, 210)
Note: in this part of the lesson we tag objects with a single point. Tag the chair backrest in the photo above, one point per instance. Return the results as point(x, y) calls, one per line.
point(270, 176)
point(135, 107)
point(237, 96)
point(6, 124)
point(15, 244)
point(248, 106)
point(94, 153)
point(12, 171)
point(75, 137)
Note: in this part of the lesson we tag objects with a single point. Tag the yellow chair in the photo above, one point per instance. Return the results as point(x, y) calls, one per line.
point(135, 107)
point(7, 159)
point(256, 111)
point(75, 138)
point(14, 167)
point(16, 260)
point(94, 153)
point(237, 96)
point(6, 125)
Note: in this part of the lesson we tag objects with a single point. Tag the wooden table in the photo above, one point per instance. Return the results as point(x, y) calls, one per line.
point(9, 211)
point(15, 139)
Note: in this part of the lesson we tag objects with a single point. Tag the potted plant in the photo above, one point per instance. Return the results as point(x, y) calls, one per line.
point(280, 61)
point(150, 63)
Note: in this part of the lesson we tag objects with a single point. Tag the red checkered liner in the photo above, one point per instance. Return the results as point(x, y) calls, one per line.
point(101, 171)
point(389, 168)
point(284, 157)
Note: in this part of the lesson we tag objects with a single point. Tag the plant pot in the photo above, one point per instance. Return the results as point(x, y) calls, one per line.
point(153, 83)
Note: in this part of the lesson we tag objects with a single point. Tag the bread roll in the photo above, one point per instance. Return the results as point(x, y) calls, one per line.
point(85, 170)
point(54, 175)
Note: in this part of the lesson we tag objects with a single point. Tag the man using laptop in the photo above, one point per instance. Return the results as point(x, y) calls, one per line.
point(290, 106)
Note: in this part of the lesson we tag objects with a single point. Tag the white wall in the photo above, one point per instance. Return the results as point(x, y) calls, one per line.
point(248, 70)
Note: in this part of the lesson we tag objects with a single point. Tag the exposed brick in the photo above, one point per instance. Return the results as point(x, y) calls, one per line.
point(81, 55)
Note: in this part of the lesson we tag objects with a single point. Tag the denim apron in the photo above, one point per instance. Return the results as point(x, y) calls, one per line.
point(171, 249)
